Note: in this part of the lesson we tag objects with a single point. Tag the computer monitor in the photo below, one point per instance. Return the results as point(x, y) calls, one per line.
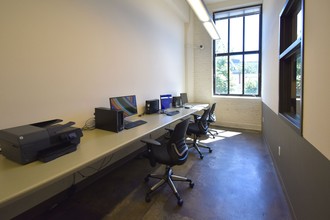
point(177, 102)
point(165, 101)
point(184, 98)
point(127, 104)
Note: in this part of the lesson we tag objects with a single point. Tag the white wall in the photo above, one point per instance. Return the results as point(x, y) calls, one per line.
point(270, 52)
point(61, 59)
point(316, 105)
point(236, 112)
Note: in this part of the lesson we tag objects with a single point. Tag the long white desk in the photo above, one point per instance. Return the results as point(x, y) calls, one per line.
point(17, 181)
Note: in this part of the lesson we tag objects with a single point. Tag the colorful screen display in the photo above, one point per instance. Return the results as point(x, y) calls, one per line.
point(127, 104)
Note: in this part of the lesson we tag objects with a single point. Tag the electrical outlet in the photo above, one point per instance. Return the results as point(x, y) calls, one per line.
point(279, 150)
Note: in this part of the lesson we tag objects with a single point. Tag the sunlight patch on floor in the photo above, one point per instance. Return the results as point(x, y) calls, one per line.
point(222, 134)
point(210, 139)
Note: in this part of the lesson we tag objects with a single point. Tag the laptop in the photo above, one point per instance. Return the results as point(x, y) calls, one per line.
point(184, 99)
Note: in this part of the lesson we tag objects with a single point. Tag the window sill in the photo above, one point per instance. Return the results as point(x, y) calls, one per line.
point(237, 97)
point(294, 123)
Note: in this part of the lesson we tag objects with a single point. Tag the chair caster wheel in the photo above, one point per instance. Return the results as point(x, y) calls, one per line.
point(147, 199)
point(191, 184)
point(180, 202)
point(210, 150)
point(201, 156)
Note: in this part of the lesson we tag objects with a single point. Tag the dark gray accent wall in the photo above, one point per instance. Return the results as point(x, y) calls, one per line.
point(303, 170)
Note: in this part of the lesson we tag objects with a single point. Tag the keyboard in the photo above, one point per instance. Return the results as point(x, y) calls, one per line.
point(171, 113)
point(133, 124)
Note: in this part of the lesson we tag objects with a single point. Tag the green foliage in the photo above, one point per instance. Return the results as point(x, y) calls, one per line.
point(251, 87)
point(221, 79)
point(222, 76)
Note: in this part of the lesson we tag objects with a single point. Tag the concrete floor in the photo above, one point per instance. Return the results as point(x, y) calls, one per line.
point(236, 181)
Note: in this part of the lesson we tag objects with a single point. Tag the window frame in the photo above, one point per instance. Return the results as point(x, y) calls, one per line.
point(291, 46)
point(242, 53)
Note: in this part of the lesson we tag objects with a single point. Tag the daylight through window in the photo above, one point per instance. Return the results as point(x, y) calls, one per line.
point(237, 55)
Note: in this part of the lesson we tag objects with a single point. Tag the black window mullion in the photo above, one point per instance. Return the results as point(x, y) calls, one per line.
point(243, 58)
point(238, 53)
point(260, 51)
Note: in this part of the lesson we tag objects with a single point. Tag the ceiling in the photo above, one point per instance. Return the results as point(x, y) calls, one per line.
point(213, 1)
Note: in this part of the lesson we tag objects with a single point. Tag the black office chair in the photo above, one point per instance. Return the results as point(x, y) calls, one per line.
point(199, 128)
point(211, 119)
point(170, 152)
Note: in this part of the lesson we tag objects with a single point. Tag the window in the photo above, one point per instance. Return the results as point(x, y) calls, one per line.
point(291, 63)
point(237, 56)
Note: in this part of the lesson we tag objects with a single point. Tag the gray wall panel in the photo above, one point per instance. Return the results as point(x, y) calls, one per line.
point(304, 171)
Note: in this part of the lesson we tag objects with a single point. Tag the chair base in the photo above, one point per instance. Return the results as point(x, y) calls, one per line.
point(196, 145)
point(199, 145)
point(213, 133)
point(168, 177)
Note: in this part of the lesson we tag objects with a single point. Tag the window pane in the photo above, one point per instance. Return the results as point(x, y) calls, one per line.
point(236, 34)
point(221, 77)
point(299, 24)
point(251, 69)
point(235, 74)
point(239, 30)
point(252, 32)
point(298, 84)
point(221, 46)
point(291, 63)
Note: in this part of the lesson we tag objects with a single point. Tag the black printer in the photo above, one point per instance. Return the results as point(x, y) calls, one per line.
point(42, 141)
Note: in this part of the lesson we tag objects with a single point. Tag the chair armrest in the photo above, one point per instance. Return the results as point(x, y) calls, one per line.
point(151, 141)
point(169, 129)
point(196, 116)
point(149, 154)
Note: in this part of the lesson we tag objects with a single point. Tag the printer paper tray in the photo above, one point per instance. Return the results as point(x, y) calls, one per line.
point(55, 152)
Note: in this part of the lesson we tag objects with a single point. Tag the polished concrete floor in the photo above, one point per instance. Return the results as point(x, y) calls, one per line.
point(236, 181)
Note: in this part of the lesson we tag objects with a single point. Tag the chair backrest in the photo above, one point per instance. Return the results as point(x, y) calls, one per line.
point(203, 125)
point(176, 146)
point(212, 117)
